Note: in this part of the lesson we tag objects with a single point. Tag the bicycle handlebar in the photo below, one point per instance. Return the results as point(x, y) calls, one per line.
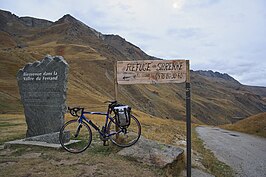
point(74, 111)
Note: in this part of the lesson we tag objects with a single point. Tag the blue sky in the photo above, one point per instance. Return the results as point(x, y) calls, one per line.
point(228, 36)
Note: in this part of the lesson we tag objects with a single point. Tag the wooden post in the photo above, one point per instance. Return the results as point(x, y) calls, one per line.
point(115, 80)
point(188, 118)
point(115, 96)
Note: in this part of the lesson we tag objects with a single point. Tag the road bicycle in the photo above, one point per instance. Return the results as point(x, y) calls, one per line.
point(121, 127)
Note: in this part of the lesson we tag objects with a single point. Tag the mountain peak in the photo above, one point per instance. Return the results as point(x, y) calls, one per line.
point(76, 25)
point(67, 19)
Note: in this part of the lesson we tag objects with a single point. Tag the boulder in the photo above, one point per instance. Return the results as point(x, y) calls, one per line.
point(168, 157)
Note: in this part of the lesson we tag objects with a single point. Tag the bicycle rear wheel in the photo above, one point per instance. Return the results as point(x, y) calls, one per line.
point(125, 137)
point(75, 137)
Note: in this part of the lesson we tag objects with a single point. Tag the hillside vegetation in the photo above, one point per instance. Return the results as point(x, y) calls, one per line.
point(255, 125)
point(91, 56)
point(98, 160)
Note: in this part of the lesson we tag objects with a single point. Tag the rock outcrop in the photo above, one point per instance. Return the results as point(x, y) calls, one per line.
point(168, 157)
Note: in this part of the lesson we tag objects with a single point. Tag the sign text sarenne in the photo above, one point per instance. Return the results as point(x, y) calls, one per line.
point(151, 71)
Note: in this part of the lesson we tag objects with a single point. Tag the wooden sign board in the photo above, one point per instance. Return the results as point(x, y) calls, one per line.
point(151, 71)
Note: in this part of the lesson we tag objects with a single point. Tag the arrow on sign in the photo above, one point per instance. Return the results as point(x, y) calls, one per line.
point(129, 77)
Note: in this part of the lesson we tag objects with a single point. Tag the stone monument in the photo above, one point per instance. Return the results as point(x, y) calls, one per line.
point(42, 87)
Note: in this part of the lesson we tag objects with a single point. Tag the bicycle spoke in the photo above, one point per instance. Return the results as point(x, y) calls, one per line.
point(125, 137)
point(75, 137)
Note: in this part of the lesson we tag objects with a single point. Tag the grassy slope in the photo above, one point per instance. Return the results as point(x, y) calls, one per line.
point(86, 67)
point(163, 130)
point(255, 125)
point(91, 75)
point(102, 160)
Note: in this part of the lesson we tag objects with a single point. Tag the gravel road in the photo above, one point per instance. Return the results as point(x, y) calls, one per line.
point(246, 154)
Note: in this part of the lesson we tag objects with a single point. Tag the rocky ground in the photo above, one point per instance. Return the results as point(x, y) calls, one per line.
point(98, 160)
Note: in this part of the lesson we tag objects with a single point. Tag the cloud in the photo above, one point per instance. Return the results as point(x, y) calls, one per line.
point(185, 33)
point(203, 3)
point(220, 35)
point(254, 75)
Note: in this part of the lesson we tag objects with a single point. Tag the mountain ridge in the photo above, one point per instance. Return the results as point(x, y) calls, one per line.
point(210, 73)
point(91, 55)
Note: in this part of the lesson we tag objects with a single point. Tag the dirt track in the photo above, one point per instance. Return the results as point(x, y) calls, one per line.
point(246, 154)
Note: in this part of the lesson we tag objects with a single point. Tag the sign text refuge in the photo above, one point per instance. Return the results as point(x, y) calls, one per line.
point(151, 71)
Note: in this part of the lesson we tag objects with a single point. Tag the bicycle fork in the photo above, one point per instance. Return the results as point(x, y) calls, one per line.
point(78, 130)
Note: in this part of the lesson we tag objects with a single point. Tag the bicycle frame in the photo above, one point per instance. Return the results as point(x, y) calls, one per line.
point(80, 138)
point(108, 117)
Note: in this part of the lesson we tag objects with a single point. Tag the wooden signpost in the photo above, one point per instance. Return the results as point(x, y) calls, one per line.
point(151, 71)
point(155, 72)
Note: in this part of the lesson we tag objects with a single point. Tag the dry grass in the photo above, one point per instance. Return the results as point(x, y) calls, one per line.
point(167, 131)
point(96, 161)
point(12, 127)
point(255, 125)
point(98, 158)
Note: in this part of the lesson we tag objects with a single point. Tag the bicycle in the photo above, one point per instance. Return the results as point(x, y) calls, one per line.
point(76, 135)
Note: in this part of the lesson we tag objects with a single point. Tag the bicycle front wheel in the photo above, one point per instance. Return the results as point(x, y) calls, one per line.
point(75, 137)
point(125, 137)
